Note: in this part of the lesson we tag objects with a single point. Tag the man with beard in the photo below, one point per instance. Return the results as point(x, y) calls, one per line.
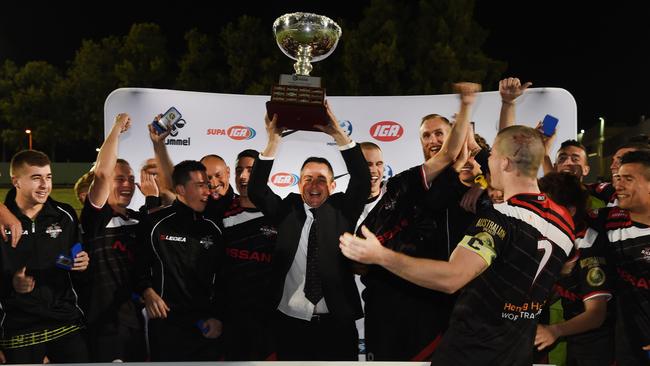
point(177, 272)
point(249, 237)
point(506, 263)
point(115, 325)
point(400, 214)
point(626, 233)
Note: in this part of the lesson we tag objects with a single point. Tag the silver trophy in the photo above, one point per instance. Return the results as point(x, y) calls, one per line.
point(298, 99)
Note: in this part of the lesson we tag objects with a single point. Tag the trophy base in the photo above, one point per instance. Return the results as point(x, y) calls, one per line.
point(297, 116)
point(298, 107)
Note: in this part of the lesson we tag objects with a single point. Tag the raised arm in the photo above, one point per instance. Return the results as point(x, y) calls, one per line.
point(258, 189)
point(510, 89)
point(448, 277)
point(106, 160)
point(165, 164)
point(458, 136)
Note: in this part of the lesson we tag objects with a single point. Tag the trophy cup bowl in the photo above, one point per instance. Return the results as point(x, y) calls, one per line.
point(306, 38)
point(299, 100)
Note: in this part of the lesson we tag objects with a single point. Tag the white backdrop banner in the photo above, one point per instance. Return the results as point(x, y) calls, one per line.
point(225, 124)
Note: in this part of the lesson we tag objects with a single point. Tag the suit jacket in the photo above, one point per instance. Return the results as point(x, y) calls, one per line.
point(338, 214)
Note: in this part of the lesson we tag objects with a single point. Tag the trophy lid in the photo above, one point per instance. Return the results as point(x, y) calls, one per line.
point(295, 32)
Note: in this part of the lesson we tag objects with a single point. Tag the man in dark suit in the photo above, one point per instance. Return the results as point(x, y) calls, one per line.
point(313, 286)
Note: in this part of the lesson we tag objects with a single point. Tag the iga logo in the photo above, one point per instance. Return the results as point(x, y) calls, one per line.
point(386, 131)
point(284, 179)
point(241, 133)
point(388, 172)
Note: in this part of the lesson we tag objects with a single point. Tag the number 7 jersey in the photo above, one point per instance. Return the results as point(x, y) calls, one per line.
point(525, 242)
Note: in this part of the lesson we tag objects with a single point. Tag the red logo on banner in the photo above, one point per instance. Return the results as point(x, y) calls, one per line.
point(241, 133)
point(386, 131)
point(284, 179)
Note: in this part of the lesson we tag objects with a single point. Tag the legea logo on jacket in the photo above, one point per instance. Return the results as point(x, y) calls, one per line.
point(241, 132)
point(386, 131)
point(180, 239)
point(283, 179)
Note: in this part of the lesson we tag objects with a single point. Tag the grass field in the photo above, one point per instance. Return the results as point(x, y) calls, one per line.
point(65, 194)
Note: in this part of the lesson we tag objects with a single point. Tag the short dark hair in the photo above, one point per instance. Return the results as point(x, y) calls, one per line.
point(636, 145)
point(566, 189)
point(640, 157)
point(122, 161)
point(212, 156)
point(27, 157)
point(248, 153)
point(575, 143)
point(432, 116)
point(369, 145)
point(182, 170)
point(315, 159)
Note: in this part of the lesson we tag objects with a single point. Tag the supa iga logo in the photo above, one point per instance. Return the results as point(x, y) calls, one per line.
point(241, 133)
point(386, 131)
point(283, 179)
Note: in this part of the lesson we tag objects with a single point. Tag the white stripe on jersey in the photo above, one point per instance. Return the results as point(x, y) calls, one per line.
point(547, 229)
point(625, 233)
point(119, 222)
point(589, 239)
point(241, 218)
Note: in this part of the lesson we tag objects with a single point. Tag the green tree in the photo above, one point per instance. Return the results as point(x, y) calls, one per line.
point(416, 48)
point(199, 65)
point(31, 104)
point(90, 78)
point(144, 59)
point(253, 60)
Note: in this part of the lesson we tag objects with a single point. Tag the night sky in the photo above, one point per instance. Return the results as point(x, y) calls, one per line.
point(598, 53)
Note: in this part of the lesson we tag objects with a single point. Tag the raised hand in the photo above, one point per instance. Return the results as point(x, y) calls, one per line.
point(148, 185)
point(123, 122)
point(511, 88)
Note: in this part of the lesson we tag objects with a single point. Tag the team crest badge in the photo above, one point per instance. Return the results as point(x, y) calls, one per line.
point(596, 277)
point(54, 230)
point(206, 242)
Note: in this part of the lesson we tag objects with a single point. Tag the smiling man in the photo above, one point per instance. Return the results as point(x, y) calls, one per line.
point(38, 302)
point(313, 288)
point(114, 321)
point(249, 237)
point(178, 272)
point(626, 232)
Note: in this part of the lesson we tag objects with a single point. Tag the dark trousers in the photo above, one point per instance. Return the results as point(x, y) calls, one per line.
point(170, 341)
point(401, 327)
point(322, 339)
point(70, 348)
point(111, 341)
point(249, 337)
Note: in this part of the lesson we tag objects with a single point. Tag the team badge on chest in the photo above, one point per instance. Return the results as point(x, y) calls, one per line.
point(54, 230)
point(206, 242)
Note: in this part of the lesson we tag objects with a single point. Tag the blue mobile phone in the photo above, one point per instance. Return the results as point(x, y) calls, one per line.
point(548, 125)
point(167, 120)
point(65, 262)
point(75, 250)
